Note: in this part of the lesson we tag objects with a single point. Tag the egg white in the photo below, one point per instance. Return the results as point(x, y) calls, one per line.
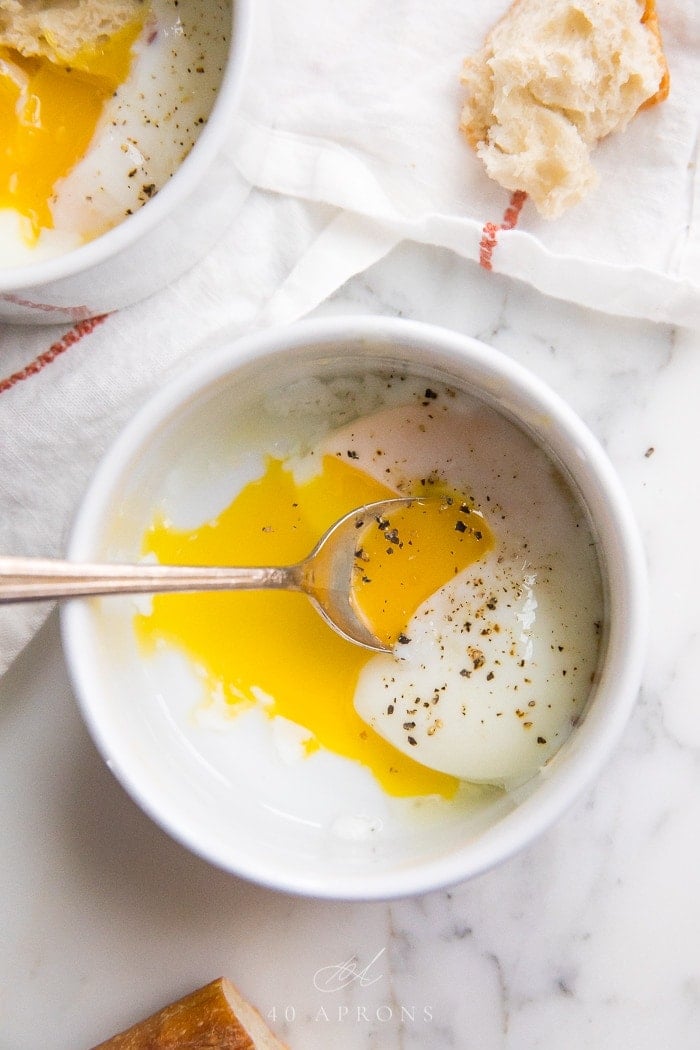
point(499, 661)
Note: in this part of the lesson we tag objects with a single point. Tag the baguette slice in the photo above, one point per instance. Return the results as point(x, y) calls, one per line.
point(215, 1017)
point(60, 29)
point(551, 80)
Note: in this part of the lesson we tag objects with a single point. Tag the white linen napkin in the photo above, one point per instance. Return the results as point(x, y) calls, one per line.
point(358, 104)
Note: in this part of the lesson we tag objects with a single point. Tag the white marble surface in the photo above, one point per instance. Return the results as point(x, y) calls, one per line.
point(589, 939)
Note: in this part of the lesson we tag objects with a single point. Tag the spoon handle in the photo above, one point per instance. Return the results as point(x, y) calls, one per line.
point(40, 579)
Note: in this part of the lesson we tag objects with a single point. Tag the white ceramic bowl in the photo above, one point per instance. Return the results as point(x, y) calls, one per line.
point(156, 244)
point(138, 719)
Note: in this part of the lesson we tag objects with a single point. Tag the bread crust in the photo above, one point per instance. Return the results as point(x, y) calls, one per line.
point(651, 20)
point(215, 1017)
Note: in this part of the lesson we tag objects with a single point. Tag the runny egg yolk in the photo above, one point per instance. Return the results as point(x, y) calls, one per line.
point(275, 643)
point(409, 554)
point(48, 115)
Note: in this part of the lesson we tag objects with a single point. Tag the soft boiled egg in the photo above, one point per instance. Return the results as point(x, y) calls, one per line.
point(498, 663)
point(493, 599)
point(89, 136)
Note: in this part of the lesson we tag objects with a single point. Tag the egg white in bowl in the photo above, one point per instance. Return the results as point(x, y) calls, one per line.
point(284, 754)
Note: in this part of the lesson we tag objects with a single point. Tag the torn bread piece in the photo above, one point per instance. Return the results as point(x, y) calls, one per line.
point(552, 79)
point(60, 29)
point(216, 1015)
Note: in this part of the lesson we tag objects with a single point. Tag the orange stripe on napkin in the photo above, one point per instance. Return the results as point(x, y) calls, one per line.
point(73, 336)
point(489, 234)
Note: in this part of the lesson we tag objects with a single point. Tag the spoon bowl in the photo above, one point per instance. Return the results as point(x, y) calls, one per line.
point(325, 575)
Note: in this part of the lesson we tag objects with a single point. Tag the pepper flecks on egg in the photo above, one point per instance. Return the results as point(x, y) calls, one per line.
point(423, 553)
point(504, 616)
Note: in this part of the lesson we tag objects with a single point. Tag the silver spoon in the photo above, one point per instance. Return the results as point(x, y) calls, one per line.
point(325, 575)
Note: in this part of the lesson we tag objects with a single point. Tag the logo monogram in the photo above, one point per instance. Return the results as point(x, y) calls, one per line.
point(340, 975)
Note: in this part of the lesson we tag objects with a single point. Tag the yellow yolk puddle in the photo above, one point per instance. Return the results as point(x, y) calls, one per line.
point(275, 642)
point(48, 116)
